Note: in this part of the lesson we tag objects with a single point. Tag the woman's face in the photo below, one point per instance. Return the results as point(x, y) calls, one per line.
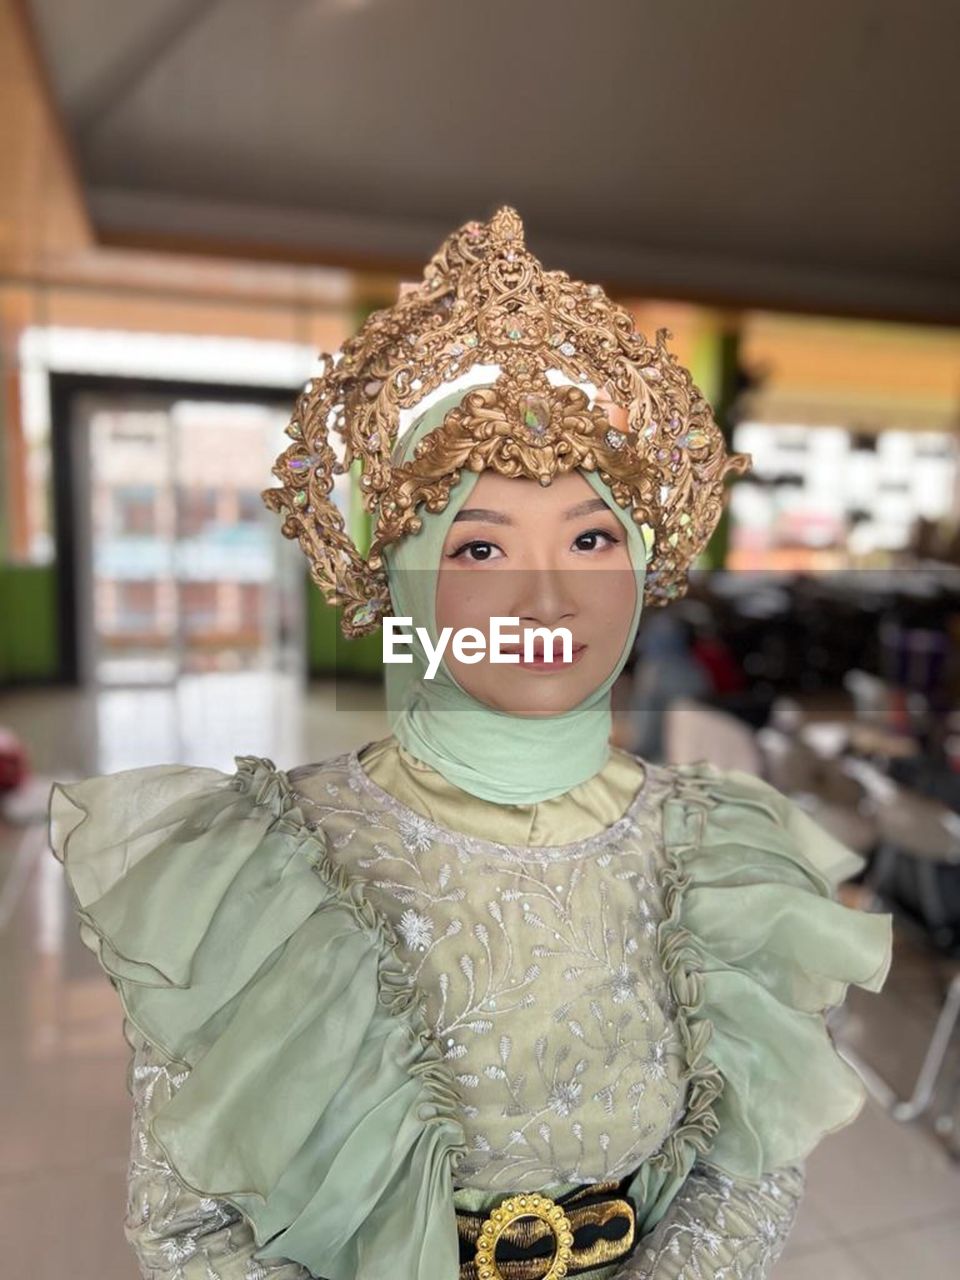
point(551, 556)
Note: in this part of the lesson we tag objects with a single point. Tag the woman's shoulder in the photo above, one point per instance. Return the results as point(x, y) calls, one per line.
point(759, 948)
point(240, 949)
point(746, 804)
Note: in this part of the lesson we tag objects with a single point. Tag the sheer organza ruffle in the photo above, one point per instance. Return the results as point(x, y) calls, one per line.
point(317, 1102)
point(756, 947)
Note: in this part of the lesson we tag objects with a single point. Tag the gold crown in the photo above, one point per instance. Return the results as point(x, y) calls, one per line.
point(486, 300)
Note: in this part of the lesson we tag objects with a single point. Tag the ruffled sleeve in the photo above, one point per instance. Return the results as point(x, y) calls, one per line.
point(317, 1103)
point(757, 947)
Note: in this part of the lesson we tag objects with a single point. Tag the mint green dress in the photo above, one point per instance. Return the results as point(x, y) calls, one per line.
point(359, 998)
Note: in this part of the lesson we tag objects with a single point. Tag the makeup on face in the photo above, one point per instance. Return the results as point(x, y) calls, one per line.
point(550, 556)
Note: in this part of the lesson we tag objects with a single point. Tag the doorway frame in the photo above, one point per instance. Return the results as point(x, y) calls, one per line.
point(70, 534)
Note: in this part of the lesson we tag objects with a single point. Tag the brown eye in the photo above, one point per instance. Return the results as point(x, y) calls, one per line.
point(476, 550)
point(593, 539)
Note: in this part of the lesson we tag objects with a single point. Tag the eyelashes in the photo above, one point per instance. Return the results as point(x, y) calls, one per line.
point(486, 548)
point(474, 543)
point(610, 539)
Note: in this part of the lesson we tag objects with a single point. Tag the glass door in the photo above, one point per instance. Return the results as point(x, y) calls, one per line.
point(188, 571)
point(191, 601)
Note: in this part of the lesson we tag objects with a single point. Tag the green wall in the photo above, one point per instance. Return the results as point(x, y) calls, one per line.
point(714, 368)
point(29, 650)
point(328, 653)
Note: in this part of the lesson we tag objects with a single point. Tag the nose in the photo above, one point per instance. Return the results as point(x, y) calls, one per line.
point(544, 596)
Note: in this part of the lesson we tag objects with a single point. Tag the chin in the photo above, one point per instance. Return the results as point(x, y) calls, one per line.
point(539, 702)
point(526, 694)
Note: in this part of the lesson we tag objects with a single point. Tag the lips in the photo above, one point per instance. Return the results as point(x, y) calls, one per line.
point(539, 655)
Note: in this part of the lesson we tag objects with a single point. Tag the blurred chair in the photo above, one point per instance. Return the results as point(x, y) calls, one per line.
point(822, 787)
point(786, 714)
point(694, 732)
point(848, 824)
point(920, 836)
point(871, 696)
point(788, 762)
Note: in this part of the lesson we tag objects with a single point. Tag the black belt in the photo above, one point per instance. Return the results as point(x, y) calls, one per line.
point(528, 1236)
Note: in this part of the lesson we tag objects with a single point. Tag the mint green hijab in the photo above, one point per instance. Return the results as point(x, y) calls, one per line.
point(489, 753)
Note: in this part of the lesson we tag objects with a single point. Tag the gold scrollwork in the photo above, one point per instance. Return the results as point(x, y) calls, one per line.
point(485, 299)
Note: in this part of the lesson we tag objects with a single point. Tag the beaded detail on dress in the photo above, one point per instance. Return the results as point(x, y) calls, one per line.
point(540, 966)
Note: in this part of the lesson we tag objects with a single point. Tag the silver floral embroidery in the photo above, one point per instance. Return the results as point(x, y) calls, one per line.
point(540, 971)
point(416, 930)
point(175, 1233)
point(720, 1228)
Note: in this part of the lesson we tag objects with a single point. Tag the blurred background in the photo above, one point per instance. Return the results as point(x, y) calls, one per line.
point(198, 196)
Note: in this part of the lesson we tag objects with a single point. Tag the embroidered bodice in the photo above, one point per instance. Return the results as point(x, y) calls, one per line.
point(540, 969)
point(294, 953)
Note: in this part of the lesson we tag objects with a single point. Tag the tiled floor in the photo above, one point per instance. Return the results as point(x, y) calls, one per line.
point(883, 1199)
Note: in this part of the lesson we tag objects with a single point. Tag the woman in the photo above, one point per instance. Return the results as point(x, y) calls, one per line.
point(487, 998)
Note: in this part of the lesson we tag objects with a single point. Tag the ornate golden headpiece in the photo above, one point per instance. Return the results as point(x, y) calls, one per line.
point(485, 299)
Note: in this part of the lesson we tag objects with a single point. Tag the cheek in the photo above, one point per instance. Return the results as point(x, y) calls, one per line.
point(467, 598)
point(609, 596)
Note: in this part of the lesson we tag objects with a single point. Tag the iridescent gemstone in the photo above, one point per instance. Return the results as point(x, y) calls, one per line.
point(300, 498)
point(568, 349)
point(651, 372)
point(515, 332)
point(471, 339)
point(371, 388)
point(684, 517)
point(366, 613)
point(456, 349)
point(535, 413)
point(650, 431)
point(697, 438)
point(615, 439)
point(299, 464)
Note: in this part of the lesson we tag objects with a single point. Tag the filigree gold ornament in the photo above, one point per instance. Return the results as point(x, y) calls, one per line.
point(485, 299)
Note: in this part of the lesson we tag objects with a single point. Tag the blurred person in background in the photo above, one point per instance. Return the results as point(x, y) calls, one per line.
point(666, 669)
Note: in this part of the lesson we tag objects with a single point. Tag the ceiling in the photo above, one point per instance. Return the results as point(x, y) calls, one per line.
point(746, 153)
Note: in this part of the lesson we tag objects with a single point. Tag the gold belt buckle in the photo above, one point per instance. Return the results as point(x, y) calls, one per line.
point(532, 1205)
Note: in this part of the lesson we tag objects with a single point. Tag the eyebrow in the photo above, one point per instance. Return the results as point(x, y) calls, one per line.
point(585, 508)
point(481, 514)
